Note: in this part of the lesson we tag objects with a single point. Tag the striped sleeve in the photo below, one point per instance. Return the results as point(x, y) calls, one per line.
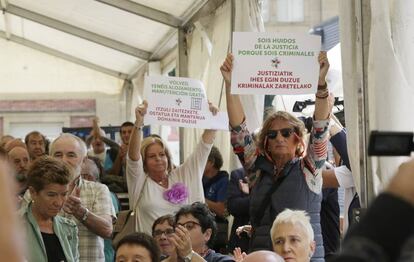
point(318, 146)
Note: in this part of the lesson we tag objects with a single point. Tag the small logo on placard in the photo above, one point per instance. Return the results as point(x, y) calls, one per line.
point(196, 103)
point(275, 62)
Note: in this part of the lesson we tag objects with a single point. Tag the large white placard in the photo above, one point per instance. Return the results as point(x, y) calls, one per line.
point(278, 64)
point(179, 101)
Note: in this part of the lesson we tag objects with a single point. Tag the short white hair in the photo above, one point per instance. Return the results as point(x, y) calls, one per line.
point(293, 217)
point(80, 142)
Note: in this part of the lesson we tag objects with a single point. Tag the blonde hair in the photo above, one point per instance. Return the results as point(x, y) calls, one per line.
point(298, 126)
point(146, 142)
point(293, 217)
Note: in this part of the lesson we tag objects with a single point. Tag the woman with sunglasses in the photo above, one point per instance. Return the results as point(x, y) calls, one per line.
point(287, 175)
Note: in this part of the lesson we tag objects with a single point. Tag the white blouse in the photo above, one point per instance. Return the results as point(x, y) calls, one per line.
point(152, 204)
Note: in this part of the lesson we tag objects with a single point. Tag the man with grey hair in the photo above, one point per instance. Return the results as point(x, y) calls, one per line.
point(89, 203)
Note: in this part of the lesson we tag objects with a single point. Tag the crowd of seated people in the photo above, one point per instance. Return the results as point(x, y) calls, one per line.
point(65, 193)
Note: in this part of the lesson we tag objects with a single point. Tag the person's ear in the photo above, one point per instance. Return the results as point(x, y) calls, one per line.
point(312, 248)
point(207, 234)
point(32, 191)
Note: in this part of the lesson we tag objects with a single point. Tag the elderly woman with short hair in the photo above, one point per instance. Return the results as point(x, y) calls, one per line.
point(49, 236)
point(292, 236)
point(287, 174)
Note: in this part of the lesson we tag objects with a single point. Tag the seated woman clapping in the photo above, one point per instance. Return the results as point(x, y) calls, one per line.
point(153, 184)
point(173, 241)
point(49, 236)
point(162, 230)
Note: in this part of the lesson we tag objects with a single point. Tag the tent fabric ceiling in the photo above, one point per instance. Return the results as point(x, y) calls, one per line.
point(95, 31)
point(71, 45)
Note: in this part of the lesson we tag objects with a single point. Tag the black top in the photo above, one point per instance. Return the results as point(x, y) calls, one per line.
point(330, 221)
point(238, 204)
point(54, 250)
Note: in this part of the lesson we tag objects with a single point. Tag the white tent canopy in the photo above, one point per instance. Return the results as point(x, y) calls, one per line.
point(110, 36)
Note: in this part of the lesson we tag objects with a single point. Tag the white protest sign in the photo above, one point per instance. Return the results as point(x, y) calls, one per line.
point(179, 101)
point(278, 64)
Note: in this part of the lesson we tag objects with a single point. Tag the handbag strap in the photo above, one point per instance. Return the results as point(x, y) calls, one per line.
point(266, 201)
point(140, 194)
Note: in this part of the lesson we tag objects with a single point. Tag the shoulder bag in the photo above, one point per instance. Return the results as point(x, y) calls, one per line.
point(126, 222)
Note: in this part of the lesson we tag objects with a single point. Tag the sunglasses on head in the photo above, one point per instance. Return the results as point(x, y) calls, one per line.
point(285, 132)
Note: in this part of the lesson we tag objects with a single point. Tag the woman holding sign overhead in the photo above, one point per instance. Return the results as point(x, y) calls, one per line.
point(154, 186)
point(287, 175)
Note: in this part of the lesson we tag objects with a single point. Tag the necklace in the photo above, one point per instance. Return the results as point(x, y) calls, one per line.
point(163, 182)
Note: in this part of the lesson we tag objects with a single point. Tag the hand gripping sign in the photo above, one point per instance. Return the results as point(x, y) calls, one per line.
point(278, 64)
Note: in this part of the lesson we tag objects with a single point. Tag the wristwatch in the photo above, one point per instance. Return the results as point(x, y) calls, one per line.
point(85, 215)
point(188, 257)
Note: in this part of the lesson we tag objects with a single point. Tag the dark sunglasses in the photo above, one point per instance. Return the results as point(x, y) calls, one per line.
point(285, 132)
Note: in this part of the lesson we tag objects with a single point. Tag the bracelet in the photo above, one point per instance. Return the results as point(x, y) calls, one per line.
point(189, 257)
point(138, 127)
point(322, 87)
point(322, 93)
point(85, 215)
point(322, 97)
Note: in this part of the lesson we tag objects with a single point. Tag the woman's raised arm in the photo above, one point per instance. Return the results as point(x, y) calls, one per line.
point(322, 107)
point(234, 107)
point(135, 140)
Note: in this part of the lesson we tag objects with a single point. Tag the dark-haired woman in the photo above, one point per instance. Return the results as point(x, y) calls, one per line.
point(137, 247)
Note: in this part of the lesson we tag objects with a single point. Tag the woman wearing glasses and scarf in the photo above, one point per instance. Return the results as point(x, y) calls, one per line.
point(288, 175)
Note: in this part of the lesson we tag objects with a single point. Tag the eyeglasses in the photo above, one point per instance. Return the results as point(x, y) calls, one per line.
point(168, 232)
point(189, 225)
point(285, 132)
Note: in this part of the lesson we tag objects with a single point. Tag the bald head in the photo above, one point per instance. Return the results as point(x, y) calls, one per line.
point(71, 149)
point(263, 256)
point(4, 139)
point(89, 170)
point(14, 143)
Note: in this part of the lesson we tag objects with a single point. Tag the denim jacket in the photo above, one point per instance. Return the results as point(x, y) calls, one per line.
point(65, 229)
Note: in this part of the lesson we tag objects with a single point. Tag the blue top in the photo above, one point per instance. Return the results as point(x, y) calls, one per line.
point(108, 249)
point(217, 257)
point(215, 188)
